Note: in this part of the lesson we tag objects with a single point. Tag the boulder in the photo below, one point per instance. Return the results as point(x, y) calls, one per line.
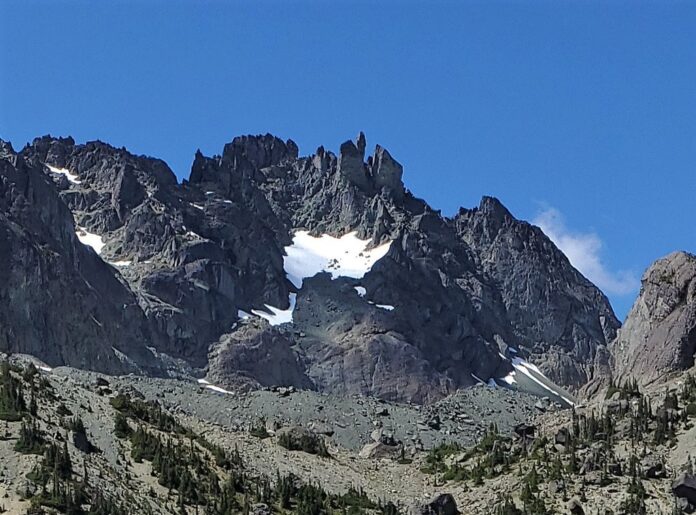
point(684, 487)
point(378, 450)
point(261, 509)
point(442, 504)
point(574, 507)
point(652, 467)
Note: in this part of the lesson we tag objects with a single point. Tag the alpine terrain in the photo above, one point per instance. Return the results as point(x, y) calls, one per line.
point(302, 334)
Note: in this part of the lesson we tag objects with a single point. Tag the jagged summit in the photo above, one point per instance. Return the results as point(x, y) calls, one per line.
point(447, 304)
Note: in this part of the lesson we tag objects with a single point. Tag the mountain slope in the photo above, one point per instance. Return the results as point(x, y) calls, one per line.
point(447, 303)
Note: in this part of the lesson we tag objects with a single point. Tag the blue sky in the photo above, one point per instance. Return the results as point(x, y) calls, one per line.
point(580, 116)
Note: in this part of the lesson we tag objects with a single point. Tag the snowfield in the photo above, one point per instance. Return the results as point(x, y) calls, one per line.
point(308, 255)
point(90, 239)
point(64, 171)
point(531, 372)
point(346, 256)
point(277, 316)
point(120, 263)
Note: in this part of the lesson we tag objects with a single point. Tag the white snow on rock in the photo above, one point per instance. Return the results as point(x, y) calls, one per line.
point(212, 387)
point(120, 263)
point(90, 239)
point(64, 171)
point(532, 372)
point(346, 256)
point(194, 235)
point(216, 389)
point(197, 206)
point(277, 316)
point(385, 306)
point(243, 314)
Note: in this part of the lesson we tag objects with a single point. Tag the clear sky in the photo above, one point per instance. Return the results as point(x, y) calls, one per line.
point(580, 116)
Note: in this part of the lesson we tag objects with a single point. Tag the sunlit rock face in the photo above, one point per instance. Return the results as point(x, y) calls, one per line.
point(659, 336)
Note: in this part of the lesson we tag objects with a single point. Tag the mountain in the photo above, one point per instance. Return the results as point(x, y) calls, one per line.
point(266, 268)
point(659, 335)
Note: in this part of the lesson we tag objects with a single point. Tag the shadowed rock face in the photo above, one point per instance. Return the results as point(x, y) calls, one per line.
point(659, 335)
point(559, 316)
point(58, 299)
point(465, 290)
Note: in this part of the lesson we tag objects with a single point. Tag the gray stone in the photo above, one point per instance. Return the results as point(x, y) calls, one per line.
point(657, 337)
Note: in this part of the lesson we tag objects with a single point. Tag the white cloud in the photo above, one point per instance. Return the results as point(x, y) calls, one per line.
point(584, 252)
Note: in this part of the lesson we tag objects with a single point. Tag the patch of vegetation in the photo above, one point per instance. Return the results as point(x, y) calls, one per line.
point(308, 442)
point(259, 429)
point(30, 440)
point(12, 404)
point(148, 412)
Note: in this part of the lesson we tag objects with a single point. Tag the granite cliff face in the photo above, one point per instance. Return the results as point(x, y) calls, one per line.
point(659, 336)
point(452, 301)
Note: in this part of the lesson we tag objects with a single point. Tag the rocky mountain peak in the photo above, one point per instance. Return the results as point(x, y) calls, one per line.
point(443, 307)
point(659, 334)
point(387, 172)
point(6, 149)
point(256, 152)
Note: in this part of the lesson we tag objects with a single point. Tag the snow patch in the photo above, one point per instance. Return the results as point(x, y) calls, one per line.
point(243, 314)
point(361, 290)
point(216, 389)
point(533, 373)
point(90, 239)
point(346, 256)
point(120, 263)
point(278, 316)
point(45, 369)
point(194, 235)
point(385, 306)
point(64, 171)
point(206, 384)
point(510, 378)
point(123, 358)
point(197, 206)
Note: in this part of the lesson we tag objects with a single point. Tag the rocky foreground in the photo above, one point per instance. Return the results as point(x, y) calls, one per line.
point(138, 445)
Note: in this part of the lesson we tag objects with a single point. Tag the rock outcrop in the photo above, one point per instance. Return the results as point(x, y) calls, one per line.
point(659, 335)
